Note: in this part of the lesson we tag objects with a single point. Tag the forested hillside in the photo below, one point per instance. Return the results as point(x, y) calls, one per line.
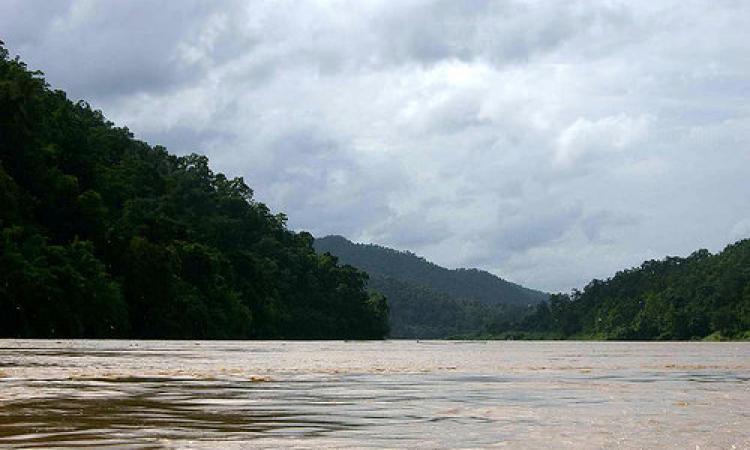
point(406, 266)
point(700, 296)
point(102, 235)
point(419, 312)
point(429, 301)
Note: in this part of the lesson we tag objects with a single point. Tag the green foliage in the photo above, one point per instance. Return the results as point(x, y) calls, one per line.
point(406, 266)
point(103, 235)
point(429, 301)
point(420, 312)
point(701, 296)
point(56, 290)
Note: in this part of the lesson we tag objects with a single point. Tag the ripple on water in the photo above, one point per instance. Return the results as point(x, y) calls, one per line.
point(394, 394)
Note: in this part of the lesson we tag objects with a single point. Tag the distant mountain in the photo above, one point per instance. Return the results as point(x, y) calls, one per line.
point(408, 267)
point(430, 301)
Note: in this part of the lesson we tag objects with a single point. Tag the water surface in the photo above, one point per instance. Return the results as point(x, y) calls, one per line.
point(432, 394)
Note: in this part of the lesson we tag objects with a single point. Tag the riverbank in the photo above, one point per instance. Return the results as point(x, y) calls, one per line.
point(550, 336)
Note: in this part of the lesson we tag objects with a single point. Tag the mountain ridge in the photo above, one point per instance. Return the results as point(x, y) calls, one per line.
point(430, 301)
point(467, 283)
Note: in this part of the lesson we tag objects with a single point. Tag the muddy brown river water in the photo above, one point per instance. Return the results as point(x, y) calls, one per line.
point(391, 394)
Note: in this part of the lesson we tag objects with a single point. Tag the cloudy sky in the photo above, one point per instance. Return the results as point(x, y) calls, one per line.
point(548, 142)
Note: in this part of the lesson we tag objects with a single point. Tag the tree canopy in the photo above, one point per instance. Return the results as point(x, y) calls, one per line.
point(700, 296)
point(103, 235)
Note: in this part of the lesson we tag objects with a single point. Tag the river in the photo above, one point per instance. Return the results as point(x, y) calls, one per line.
point(389, 394)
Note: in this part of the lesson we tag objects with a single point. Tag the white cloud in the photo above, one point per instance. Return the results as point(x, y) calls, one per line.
point(606, 135)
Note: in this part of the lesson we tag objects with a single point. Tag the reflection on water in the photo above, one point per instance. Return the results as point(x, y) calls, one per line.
point(152, 394)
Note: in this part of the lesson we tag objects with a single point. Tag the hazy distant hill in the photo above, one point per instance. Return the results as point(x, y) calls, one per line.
point(429, 301)
point(408, 267)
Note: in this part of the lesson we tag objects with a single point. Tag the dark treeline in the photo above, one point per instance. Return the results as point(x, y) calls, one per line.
point(417, 311)
point(103, 235)
point(700, 296)
point(429, 301)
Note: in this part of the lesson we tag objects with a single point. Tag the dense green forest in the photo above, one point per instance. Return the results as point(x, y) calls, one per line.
point(429, 301)
point(103, 235)
point(701, 296)
point(417, 311)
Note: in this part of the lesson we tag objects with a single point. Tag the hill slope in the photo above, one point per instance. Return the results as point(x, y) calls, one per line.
point(429, 301)
point(674, 298)
point(408, 267)
point(102, 235)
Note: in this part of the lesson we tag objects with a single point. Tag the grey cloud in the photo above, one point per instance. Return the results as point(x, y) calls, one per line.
point(408, 231)
point(548, 142)
point(537, 229)
point(595, 225)
point(183, 140)
point(23, 20)
point(102, 49)
point(740, 230)
point(497, 32)
point(338, 188)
